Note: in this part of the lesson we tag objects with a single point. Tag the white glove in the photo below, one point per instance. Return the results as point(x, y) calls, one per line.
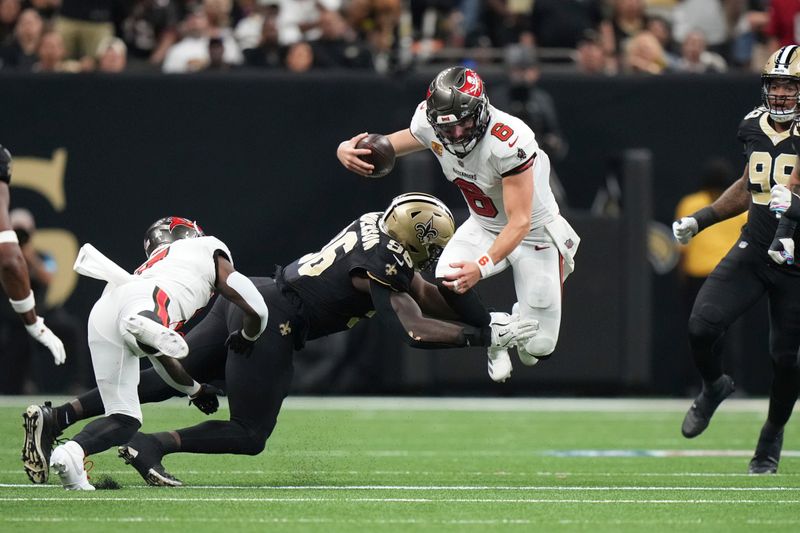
point(43, 334)
point(780, 199)
point(508, 330)
point(782, 251)
point(684, 229)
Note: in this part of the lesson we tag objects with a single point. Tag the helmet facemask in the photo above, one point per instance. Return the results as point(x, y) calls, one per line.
point(780, 84)
point(458, 109)
point(422, 224)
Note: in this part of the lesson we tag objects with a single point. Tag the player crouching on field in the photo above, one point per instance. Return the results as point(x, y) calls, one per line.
point(137, 316)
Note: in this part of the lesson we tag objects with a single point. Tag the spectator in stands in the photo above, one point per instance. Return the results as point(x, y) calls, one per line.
point(269, 53)
point(783, 27)
point(376, 22)
point(112, 55)
point(562, 23)
point(216, 57)
point(9, 11)
point(591, 57)
point(748, 42)
point(643, 54)
point(149, 29)
point(47, 9)
point(695, 58)
point(627, 19)
point(662, 30)
point(248, 30)
point(299, 19)
point(51, 55)
point(338, 46)
point(707, 16)
point(300, 57)
point(83, 24)
point(190, 54)
point(20, 53)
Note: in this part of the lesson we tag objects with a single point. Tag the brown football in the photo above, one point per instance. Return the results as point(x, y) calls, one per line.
point(382, 155)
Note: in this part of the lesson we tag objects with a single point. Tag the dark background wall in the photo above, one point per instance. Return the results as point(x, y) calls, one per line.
point(252, 158)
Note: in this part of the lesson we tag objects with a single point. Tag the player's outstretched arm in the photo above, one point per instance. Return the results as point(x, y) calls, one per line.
point(402, 141)
point(734, 201)
point(241, 291)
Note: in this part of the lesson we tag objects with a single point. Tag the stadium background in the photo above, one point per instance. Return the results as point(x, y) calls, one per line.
point(252, 158)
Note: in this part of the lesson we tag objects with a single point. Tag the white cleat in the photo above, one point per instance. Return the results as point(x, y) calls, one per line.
point(67, 461)
point(151, 333)
point(499, 364)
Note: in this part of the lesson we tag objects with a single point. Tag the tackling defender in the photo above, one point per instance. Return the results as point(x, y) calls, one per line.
point(14, 271)
point(138, 316)
point(369, 268)
point(759, 263)
point(514, 220)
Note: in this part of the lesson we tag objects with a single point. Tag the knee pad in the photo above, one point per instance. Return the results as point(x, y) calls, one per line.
point(255, 442)
point(540, 293)
point(126, 421)
point(540, 346)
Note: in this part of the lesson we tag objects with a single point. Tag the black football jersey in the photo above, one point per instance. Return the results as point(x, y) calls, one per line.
point(771, 157)
point(322, 279)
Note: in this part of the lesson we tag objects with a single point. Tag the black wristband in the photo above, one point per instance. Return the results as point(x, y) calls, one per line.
point(793, 212)
point(477, 336)
point(705, 217)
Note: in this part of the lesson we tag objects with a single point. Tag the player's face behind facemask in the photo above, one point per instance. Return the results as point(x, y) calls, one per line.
point(168, 230)
point(780, 84)
point(422, 224)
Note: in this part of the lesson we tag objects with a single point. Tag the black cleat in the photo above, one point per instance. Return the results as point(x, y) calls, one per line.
point(145, 456)
point(41, 432)
point(768, 454)
point(699, 414)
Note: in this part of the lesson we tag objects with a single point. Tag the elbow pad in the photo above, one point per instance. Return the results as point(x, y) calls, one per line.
point(251, 296)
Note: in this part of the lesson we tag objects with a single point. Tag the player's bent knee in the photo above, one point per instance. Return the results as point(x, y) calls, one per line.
point(705, 326)
point(540, 346)
point(540, 293)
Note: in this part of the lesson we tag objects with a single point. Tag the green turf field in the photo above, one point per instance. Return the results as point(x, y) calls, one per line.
point(406, 465)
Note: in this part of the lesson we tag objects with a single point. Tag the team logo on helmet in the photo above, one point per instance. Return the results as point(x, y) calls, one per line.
point(473, 84)
point(426, 232)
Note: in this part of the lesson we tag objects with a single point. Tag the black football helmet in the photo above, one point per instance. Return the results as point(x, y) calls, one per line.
point(458, 109)
point(168, 230)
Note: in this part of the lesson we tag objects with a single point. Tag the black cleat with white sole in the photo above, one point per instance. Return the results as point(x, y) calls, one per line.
point(768, 454)
point(41, 432)
point(144, 454)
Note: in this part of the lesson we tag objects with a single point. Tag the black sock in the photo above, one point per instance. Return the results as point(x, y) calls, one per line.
point(166, 441)
point(217, 436)
point(783, 394)
point(65, 415)
point(103, 433)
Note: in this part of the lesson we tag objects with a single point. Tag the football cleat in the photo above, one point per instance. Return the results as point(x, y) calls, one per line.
point(499, 364)
point(699, 414)
point(151, 333)
point(145, 457)
point(67, 461)
point(41, 432)
point(768, 454)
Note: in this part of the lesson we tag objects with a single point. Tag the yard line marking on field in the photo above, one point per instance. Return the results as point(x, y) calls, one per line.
point(493, 501)
point(461, 488)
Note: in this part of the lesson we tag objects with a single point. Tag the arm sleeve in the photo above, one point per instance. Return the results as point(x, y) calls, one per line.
point(404, 318)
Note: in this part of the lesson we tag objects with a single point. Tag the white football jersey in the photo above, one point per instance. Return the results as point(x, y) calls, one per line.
point(187, 272)
point(508, 147)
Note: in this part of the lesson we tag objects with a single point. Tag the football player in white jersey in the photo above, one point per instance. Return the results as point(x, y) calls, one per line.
point(514, 220)
point(137, 316)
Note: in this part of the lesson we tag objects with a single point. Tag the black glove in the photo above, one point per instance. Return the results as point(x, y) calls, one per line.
point(239, 344)
point(5, 164)
point(206, 398)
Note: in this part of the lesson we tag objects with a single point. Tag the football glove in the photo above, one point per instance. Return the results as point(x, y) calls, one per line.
point(44, 335)
point(508, 330)
point(684, 229)
point(780, 199)
point(782, 251)
point(206, 398)
point(238, 344)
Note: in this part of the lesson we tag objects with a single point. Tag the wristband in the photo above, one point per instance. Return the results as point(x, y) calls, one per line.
point(486, 265)
point(192, 389)
point(24, 305)
point(8, 235)
point(705, 217)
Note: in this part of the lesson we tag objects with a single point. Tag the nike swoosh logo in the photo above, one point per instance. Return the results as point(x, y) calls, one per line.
point(538, 247)
point(399, 262)
point(511, 144)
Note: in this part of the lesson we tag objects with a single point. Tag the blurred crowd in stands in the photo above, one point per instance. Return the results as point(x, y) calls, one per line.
point(597, 37)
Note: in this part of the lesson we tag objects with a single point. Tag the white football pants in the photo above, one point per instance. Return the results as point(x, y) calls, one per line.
point(538, 277)
point(116, 366)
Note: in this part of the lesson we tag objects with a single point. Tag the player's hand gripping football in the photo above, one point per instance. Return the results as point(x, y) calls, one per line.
point(207, 398)
point(348, 156)
point(238, 344)
point(684, 229)
point(510, 330)
point(780, 199)
point(782, 250)
point(44, 335)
